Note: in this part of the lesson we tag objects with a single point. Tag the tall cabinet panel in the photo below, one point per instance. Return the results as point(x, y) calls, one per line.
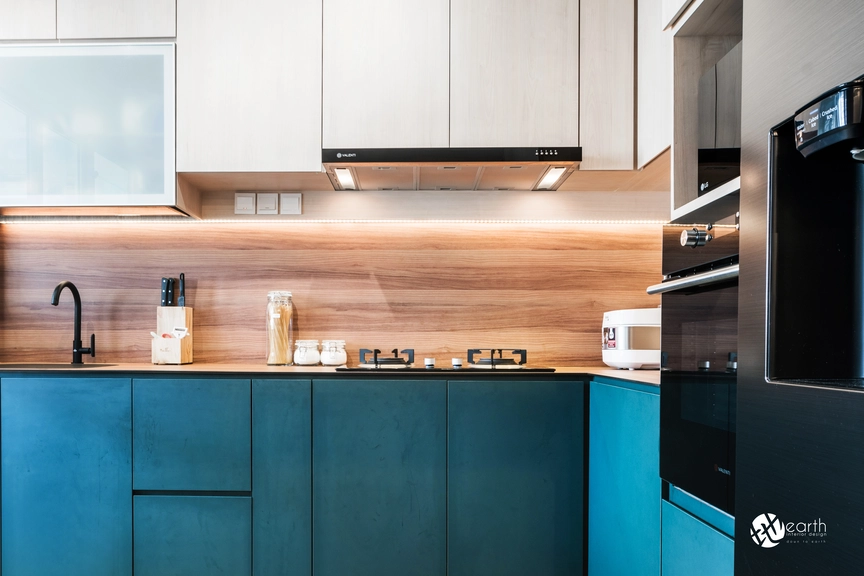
point(282, 477)
point(514, 73)
point(606, 99)
point(386, 67)
point(28, 20)
point(378, 477)
point(66, 476)
point(654, 83)
point(249, 86)
point(624, 480)
point(515, 478)
point(115, 18)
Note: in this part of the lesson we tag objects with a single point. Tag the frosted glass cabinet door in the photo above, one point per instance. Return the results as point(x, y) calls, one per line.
point(87, 125)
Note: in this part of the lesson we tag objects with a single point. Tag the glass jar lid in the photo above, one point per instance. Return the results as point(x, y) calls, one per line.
point(336, 343)
point(279, 294)
point(306, 343)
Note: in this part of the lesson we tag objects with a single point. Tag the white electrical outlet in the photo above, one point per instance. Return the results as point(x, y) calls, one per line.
point(291, 203)
point(268, 203)
point(244, 203)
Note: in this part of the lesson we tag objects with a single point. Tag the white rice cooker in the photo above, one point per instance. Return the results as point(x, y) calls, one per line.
point(631, 338)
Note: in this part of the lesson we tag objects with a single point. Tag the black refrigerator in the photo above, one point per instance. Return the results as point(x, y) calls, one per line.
point(799, 502)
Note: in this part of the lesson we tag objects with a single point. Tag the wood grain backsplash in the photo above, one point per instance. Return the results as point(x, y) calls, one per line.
point(439, 288)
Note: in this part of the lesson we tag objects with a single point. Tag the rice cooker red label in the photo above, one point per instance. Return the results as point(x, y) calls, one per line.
point(609, 342)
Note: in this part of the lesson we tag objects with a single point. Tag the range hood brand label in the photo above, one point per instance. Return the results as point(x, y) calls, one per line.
point(346, 155)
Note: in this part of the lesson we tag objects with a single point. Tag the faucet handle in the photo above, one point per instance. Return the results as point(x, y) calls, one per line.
point(92, 349)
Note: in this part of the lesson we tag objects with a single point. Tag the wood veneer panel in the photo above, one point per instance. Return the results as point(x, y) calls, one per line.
point(439, 288)
point(654, 176)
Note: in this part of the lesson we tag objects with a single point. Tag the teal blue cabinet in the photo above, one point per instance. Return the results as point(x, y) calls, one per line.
point(515, 478)
point(624, 486)
point(192, 434)
point(691, 546)
point(186, 535)
point(282, 477)
point(66, 476)
point(379, 479)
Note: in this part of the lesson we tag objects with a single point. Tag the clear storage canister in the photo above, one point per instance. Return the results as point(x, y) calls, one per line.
point(333, 353)
point(306, 353)
point(280, 338)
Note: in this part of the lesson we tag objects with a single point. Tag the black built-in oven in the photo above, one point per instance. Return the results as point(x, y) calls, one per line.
point(699, 342)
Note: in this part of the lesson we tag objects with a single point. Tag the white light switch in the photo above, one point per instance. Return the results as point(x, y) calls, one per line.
point(268, 203)
point(291, 203)
point(244, 203)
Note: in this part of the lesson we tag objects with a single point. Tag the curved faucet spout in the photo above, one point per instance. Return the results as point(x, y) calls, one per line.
point(77, 349)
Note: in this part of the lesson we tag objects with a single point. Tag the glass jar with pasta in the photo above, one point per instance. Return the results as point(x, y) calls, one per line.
point(280, 336)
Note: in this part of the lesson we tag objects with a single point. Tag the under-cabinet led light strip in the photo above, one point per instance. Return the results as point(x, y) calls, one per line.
point(192, 221)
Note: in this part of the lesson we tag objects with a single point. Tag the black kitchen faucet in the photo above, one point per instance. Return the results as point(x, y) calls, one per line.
point(77, 350)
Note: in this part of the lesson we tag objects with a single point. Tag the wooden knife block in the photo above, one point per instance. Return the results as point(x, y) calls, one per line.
point(172, 350)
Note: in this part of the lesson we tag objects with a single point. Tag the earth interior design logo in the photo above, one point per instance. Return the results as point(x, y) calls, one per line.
point(767, 530)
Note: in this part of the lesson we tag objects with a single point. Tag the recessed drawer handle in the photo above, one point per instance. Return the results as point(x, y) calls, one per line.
point(703, 279)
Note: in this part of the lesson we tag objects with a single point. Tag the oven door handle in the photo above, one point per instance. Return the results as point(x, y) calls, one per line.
point(703, 279)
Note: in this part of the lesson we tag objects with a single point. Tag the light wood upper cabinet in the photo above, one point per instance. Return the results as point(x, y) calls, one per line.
point(654, 84)
point(28, 20)
point(514, 73)
point(386, 69)
point(249, 86)
point(606, 98)
point(671, 10)
point(115, 18)
point(706, 73)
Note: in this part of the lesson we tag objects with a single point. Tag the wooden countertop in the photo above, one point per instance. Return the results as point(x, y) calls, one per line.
point(651, 377)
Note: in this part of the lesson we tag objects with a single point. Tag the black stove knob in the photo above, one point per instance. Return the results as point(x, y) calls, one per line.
point(732, 362)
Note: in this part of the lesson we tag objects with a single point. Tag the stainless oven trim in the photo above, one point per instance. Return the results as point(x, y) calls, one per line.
point(703, 279)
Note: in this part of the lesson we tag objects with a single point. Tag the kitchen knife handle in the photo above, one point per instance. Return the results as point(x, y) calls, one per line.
point(181, 295)
point(164, 291)
point(169, 299)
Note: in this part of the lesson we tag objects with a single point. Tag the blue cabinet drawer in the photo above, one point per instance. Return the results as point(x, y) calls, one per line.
point(192, 434)
point(692, 547)
point(200, 535)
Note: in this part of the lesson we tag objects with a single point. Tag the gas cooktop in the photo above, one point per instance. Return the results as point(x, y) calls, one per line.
point(403, 360)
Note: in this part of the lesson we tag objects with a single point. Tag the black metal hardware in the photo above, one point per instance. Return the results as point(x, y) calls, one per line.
point(77, 350)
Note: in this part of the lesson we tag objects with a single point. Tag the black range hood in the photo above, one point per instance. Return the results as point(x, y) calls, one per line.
point(450, 168)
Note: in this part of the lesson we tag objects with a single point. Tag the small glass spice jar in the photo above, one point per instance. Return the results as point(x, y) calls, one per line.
point(280, 337)
point(333, 353)
point(306, 353)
